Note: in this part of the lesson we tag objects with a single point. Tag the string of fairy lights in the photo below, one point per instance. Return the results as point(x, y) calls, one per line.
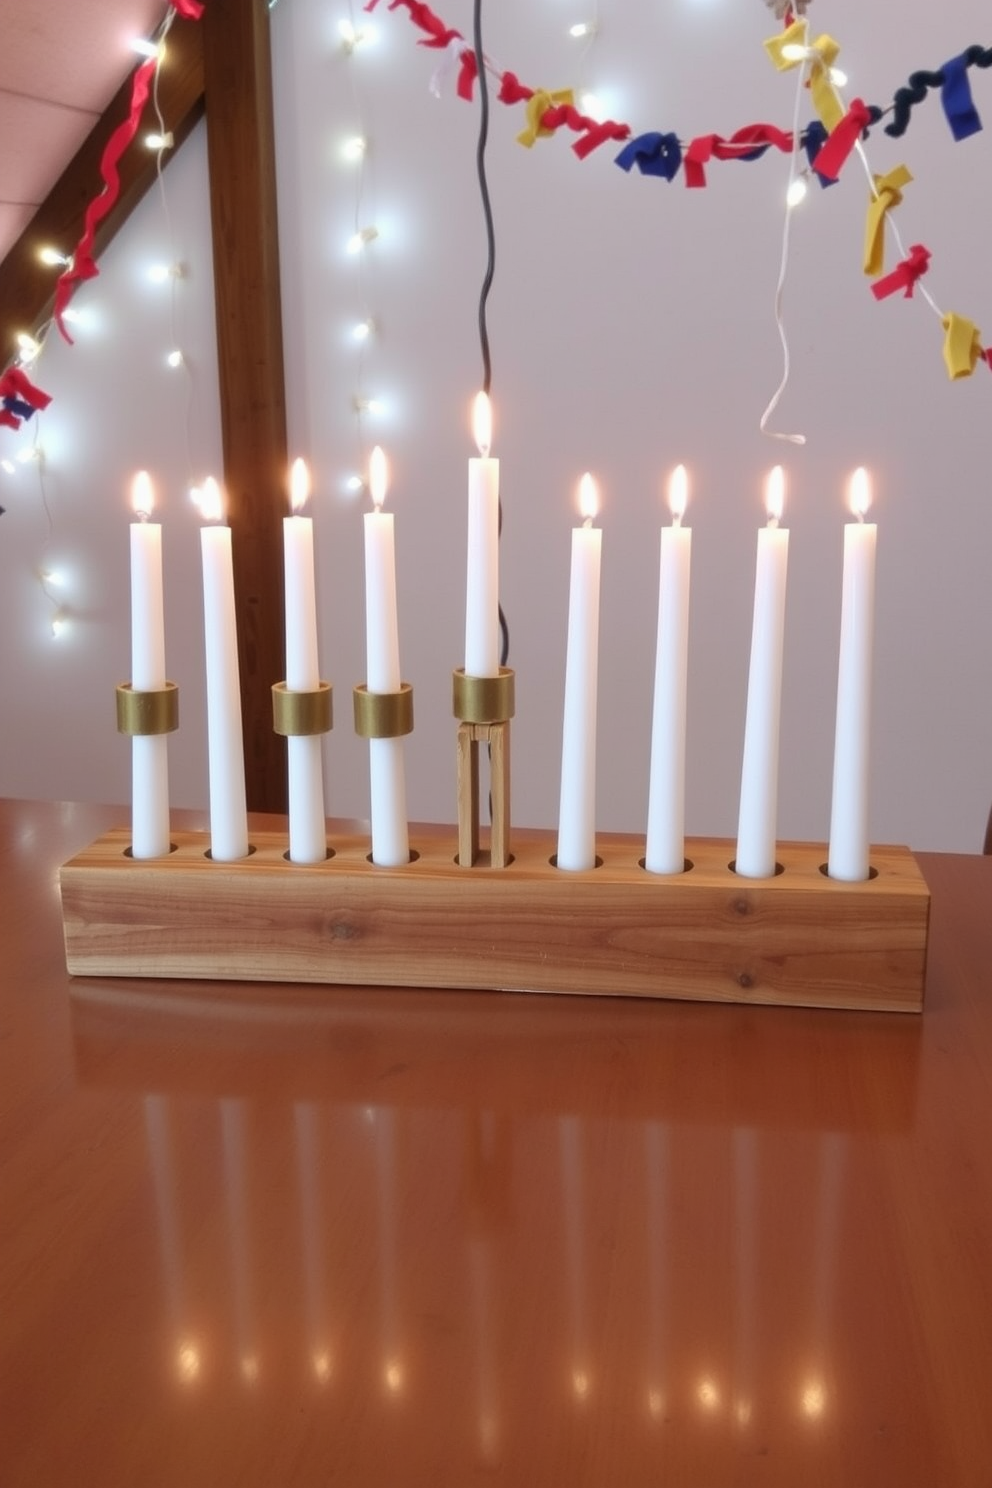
point(24, 402)
point(839, 132)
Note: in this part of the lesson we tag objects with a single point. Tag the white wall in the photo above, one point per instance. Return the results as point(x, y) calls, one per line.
point(632, 327)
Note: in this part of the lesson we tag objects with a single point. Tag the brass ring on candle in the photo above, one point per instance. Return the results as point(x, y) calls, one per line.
point(383, 715)
point(299, 714)
point(483, 699)
point(152, 712)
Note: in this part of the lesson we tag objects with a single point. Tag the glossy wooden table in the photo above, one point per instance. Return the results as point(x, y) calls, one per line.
point(278, 1236)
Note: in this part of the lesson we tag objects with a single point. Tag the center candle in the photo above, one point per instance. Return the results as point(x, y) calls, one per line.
point(225, 747)
point(390, 831)
point(848, 853)
point(307, 828)
point(665, 847)
point(149, 752)
point(482, 576)
point(759, 774)
point(577, 811)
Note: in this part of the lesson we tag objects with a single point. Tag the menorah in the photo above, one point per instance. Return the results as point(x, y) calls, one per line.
point(480, 909)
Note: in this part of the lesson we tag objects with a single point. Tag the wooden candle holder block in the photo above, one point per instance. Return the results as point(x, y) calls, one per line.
point(799, 939)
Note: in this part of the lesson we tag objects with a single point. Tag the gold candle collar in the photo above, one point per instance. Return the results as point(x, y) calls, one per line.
point(155, 712)
point(483, 699)
point(299, 714)
point(383, 715)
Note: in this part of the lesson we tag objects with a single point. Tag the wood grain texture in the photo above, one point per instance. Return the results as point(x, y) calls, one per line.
point(241, 155)
point(260, 1234)
point(798, 939)
point(27, 286)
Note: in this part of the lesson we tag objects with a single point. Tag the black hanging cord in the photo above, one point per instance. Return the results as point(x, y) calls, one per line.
point(487, 281)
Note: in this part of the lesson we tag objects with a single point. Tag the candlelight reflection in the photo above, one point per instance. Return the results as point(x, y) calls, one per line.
point(708, 1394)
point(312, 1228)
point(570, 1147)
point(656, 1161)
point(188, 1363)
point(814, 1399)
point(383, 1127)
point(236, 1198)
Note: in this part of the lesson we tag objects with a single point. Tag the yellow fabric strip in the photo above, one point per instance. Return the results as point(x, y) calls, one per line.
point(826, 101)
point(536, 107)
point(962, 345)
point(792, 36)
point(888, 194)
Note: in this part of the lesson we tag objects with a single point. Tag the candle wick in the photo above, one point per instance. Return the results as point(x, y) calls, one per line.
point(587, 522)
point(773, 520)
point(676, 519)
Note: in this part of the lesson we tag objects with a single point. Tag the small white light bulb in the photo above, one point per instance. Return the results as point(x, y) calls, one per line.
point(8, 466)
point(838, 77)
point(145, 48)
point(592, 107)
point(796, 192)
point(53, 258)
point(58, 623)
point(174, 359)
point(159, 141)
point(362, 238)
point(582, 28)
point(361, 331)
point(354, 148)
point(27, 346)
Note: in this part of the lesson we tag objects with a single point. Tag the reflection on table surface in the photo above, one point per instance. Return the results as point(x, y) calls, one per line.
point(309, 1235)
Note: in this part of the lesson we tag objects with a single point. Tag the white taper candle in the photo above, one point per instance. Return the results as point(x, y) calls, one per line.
point(759, 773)
point(149, 752)
point(849, 843)
point(225, 747)
point(665, 846)
point(577, 806)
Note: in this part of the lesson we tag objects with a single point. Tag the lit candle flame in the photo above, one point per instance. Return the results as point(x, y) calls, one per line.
point(678, 493)
point(482, 423)
point(299, 486)
point(588, 499)
point(775, 495)
point(211, 501)
point(142, 497)
point(859, 493)
point(378, 476)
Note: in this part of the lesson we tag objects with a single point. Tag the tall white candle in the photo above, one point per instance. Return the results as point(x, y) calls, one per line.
point(390, 832)
point(665, 847)
point(225, 748)
point(149, 752)
point(759, 773)
point(307, 828)
point(577, 809)
point(848, 853)
point(482, 576)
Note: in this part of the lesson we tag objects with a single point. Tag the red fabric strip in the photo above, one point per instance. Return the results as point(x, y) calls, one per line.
point(841, 141)
point(83, 266)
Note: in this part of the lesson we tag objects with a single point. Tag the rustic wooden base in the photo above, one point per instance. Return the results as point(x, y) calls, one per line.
point(799, 938)
point(496, 736)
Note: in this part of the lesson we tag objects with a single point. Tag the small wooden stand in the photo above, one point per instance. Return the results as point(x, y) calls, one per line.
point(484, 706)
point(497, 737)
point(799, 938)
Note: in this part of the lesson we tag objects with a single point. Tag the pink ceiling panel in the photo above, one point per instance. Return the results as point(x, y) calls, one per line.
point(73, 52)
point(61, 62)
point(39, 139)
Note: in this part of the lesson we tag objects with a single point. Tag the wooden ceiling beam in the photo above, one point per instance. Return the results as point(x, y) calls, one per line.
point(241, 155)
point(27, 286)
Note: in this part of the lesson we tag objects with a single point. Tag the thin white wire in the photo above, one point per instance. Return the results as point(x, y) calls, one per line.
point(359, 401)
point(782, 275)
point(173, 277)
